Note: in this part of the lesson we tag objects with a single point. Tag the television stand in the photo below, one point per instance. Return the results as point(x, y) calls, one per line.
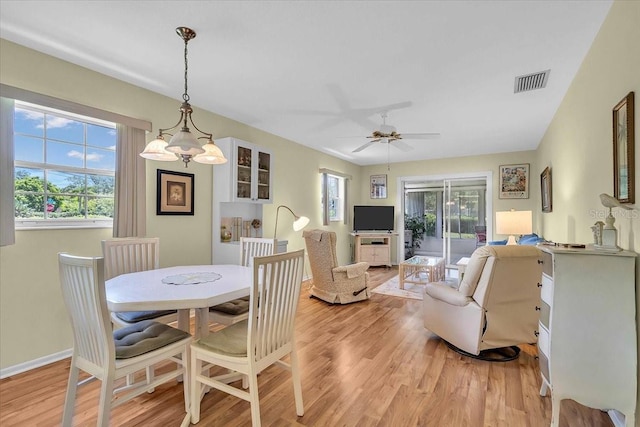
point(374, 248)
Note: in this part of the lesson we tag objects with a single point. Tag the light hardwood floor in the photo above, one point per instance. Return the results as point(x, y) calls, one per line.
point(364, 364)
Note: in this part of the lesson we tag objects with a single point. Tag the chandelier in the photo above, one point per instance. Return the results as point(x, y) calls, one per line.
point(184, 144)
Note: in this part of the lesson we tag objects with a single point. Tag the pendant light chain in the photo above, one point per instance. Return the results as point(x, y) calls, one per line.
point(185, 95)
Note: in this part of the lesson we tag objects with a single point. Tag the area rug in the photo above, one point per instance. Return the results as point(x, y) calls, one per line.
point(392, 287)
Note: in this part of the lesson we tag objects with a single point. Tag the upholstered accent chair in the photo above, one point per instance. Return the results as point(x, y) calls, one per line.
point(331, 282)
point(495, 306)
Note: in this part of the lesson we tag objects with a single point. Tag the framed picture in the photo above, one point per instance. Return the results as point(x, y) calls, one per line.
point(545, 190)
point(174, 193)
point(623, 151)
point(514, 181)
point(378, 186)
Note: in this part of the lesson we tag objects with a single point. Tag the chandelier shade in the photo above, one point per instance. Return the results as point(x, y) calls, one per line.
point(157, 150)
point(184, 144)
point(212, 155)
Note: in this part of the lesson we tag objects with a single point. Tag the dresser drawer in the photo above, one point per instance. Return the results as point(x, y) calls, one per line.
point(547, 264)
point(545, 313)
point(543, 340)
point(546, 293)
point(544, 366)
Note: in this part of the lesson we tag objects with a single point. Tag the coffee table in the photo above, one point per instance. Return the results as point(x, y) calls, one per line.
point(421, 270)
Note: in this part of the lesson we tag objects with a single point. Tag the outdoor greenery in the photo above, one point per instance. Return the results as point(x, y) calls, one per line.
point(417, 226)
point(75, 200)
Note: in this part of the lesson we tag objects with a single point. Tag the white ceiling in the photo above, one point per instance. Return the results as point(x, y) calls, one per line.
point(315, 72)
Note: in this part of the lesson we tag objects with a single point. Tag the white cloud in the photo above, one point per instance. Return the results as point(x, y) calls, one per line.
point(92, 157)
point(58, 122)
point(75, 154)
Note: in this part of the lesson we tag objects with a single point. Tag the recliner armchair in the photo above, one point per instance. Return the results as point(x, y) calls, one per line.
point(331, 282)
point(496, 305)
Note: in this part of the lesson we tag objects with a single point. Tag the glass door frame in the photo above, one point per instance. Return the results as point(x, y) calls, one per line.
point(444, 178)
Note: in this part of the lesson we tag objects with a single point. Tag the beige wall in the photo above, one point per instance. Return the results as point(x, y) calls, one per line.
point(578, 143)
point(28, 270)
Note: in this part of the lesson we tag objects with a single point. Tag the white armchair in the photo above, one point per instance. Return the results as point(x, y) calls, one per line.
point(496, 305)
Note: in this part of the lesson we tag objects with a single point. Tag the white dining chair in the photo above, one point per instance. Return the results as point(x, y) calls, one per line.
point(109, 355)
point(250, 346)
point(237, 310)
point(129, 255)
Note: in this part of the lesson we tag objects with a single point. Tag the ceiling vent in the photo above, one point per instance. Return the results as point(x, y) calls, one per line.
point(531, 81)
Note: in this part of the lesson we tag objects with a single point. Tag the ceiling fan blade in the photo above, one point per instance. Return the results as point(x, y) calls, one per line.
point(401, 145)
point(432, 135)
point(362, 147)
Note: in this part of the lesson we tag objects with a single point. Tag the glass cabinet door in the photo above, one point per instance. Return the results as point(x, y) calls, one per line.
point(264, 176)
point(244, 173)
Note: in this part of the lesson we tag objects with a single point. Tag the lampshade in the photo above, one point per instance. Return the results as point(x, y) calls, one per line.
point(156, 150)
point(513, 222)
point(212, 155)
point(299, 222)
point(184, 142)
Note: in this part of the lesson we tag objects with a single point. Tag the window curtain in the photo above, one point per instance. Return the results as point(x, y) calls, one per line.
point(130, 198)
point(7, 228)
point(415, 203)
point(325, 199)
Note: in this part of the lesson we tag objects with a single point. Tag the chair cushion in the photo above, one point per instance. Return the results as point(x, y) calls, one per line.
point(143, 337)
point(474, 270)
point(231, 340)
point(233, 307)
point(138, 316)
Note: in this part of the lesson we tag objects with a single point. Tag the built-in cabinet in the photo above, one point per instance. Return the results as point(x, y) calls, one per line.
point(240, 188)
point(374, 248)
point(247, 174)
point(587, 331)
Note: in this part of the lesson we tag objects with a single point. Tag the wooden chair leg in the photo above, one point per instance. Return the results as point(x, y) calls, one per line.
point(297, 385)
point(106, 397)
point(255, 399)
point(70, 399)
point(194, 387)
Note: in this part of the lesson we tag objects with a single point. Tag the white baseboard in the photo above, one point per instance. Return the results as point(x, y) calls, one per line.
point(33, 364)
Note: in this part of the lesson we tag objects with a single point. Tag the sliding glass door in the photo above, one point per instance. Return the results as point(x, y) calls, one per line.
point(445, 216)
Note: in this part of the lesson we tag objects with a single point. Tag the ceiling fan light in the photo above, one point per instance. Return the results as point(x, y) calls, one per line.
point(185, 143)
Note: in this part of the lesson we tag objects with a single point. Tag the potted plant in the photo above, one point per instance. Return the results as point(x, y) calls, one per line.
point(417, 226)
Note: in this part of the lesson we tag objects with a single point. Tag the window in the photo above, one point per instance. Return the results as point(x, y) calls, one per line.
point(334, 196)
point(64, 168)
point(335, 189)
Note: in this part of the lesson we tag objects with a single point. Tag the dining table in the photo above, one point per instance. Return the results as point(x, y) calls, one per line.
point(180, 288)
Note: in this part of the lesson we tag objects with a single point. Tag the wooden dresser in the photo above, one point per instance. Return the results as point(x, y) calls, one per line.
point(587, 343)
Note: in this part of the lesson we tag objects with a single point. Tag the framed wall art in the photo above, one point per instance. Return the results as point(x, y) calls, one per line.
point(175, 192)
point(545, 190)
point(514, 181)
point(623, 150)
point(378, 186)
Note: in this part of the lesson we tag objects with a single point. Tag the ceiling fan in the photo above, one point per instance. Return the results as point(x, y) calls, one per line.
point(388, 134)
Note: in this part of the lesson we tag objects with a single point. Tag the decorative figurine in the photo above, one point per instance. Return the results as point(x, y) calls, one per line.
point(609, 235)
point(597, 233)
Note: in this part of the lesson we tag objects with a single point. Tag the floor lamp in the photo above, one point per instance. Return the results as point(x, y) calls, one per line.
point(299, 222)
point(513, 222)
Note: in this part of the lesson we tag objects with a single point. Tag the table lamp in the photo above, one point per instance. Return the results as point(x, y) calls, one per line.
point(513, 222)
point(299, 222)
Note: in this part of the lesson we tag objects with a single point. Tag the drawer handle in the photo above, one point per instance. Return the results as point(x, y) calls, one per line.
point(536, 333)
point(540, 261)
point(539, 285)
point(537, 308)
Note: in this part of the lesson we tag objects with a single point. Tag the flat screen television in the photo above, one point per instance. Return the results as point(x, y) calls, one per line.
point(373, 218)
